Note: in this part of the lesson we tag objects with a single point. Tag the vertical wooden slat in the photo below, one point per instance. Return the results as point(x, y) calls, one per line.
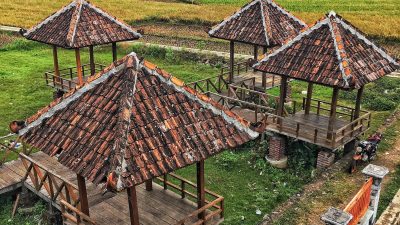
point(133, 206)
point(232, 60)
point(79, 66)
point(83, 194)
point(200, 188)
point(92, 65)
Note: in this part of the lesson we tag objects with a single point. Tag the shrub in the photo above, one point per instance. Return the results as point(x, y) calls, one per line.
point(227, 159)
point(380, 104)
point(21, 44)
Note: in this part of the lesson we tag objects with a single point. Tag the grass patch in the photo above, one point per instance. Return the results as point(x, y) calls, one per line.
point(375, 17)
point(6, 203)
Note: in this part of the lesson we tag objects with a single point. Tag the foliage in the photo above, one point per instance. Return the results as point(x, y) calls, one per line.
point(6, 203)
point(21, 45)
point(302, 158)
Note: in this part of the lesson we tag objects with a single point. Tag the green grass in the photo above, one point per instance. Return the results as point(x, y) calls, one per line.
point(375, 17)
point(34, 218)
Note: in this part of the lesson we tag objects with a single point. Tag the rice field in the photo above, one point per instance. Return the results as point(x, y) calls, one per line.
point(374, 17)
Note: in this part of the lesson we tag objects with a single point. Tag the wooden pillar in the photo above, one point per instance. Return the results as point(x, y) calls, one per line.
point(256, 52)
point(83, 194)
point(282, 95)
point(200, 187)
point(91, 56)
point(114, 51)
point(264, 75)
point(79, 66)
point(55, 60)
point(332, 116)
point(308, 100)
point(232, 60)
point(352, 144)
point(133, 206)
point(149, 185)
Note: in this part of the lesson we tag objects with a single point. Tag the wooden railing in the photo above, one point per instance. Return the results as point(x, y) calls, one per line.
point(237, 68)
point(59, 190)
point(358, 206)
point(214, 202)
point(213, 84)
point(68, 77)
point(74, 215)
point(353, 129)
point(321, 107)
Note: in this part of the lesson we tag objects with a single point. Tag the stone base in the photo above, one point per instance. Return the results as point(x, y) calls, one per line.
point(281, 164)
point(325, 159)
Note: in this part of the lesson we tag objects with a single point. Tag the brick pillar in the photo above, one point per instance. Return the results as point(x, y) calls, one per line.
point(277, 147)
point(336, 217)
point(377, 173)
point(325, 159)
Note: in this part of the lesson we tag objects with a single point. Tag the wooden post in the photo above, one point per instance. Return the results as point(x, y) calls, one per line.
point(352, 144)
point(83, 194)
point(308, 100)
point(232, 60)
point(282, 95)
point(256, 52)
point(55, 60)
point(79, 66)
point(200, 188)
point(114, 51)
point(133, 206)
point(91, 56)
point(149, 185)
point(332, 116)
point(264, 75)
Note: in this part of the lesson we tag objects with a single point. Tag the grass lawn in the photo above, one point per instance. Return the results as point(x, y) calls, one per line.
point(375, 17)
point(241, 176)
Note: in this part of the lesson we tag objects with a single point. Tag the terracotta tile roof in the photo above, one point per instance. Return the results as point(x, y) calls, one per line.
point(332, 53)
point(261, 22)
point(136, 121)
point(80, 24)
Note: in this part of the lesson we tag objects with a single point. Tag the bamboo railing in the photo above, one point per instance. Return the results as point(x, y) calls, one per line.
point(214, 202)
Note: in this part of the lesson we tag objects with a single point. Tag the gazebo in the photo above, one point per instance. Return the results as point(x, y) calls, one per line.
point(128, 125)
point(261, 23)
point(334, 54)
point(75, 26)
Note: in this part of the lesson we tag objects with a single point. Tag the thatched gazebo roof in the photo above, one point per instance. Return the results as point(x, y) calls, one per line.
point(331, 53)
point(80, 24)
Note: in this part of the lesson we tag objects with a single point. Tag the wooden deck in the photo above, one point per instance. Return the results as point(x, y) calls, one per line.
point(159, 206)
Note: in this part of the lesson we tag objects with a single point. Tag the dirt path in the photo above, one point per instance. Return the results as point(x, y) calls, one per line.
point(318, 195)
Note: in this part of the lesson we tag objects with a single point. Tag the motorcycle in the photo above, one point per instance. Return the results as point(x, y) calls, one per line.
point(365, 151)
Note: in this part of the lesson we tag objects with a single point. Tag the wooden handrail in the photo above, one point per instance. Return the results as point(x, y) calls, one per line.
point(201, 210)
point(79, 215)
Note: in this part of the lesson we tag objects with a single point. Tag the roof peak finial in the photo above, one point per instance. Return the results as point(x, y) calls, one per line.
point(332, 13)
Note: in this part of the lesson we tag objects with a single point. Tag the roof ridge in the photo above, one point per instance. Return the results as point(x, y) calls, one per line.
point(73, 26)
point(50, 18)
point(114, 19)
point(236, 14)
point(266, 28)
point(340, 51)
point(292, 41)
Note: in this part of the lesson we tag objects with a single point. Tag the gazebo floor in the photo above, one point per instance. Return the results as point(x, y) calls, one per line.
point(159, 206)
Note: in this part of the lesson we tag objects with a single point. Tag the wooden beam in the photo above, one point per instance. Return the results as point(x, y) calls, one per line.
point(201, 194)
point(83, 194)
point(133, 206)
point(149, 185)
point(332, 116)
point(91, 58)
point(114, 51)
point(232, 60)
point(358, 103)
point(55, 62)
point(264, 75)
point(308, 100)
point(79, 66)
